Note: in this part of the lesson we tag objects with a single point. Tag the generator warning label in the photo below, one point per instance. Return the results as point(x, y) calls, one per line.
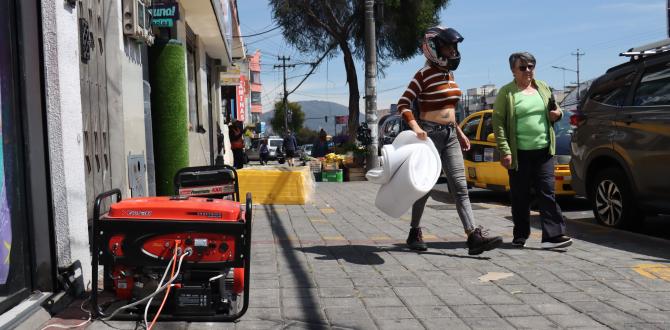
point(209, 190)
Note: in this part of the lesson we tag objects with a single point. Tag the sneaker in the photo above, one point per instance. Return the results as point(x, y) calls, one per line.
point(478, 242)
point(415, 240)
point(557, 242)
point(519, 242)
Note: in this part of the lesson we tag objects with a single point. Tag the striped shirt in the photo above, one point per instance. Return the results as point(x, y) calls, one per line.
point(433, 88)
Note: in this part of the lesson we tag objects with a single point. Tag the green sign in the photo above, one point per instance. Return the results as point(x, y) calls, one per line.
point(164, 15)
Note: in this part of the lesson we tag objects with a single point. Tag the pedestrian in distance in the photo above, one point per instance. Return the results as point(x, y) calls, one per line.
point(437, 93)
point(290, 146)
point(523, 116)
point(264, 152)
point(320, 148)
point(235, 133)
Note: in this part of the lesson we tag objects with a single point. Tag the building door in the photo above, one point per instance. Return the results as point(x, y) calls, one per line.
point(93, 80)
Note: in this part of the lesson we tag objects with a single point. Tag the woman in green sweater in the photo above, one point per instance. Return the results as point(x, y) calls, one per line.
point(523, 117)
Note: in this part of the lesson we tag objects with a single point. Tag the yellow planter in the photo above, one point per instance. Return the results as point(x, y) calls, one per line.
point(277, 185)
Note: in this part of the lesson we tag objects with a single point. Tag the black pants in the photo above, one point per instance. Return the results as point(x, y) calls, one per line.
point(238, 158)
point(536, 168)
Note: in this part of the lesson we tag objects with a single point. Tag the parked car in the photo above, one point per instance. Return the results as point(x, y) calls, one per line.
point(275, 144)
point(621, 141)
point(253, 152)
point(482, 161)
point(306, 149)
point(389, 126)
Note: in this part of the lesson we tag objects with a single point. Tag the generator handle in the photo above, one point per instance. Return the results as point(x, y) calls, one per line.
point(101, 197)
point(95, 308)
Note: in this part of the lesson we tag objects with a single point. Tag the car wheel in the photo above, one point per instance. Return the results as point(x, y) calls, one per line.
point(612, 200)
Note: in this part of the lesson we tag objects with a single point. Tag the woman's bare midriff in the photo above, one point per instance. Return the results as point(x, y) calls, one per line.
point(443, 117)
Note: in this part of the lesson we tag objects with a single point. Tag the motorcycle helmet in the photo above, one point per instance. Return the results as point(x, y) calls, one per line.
point(437, 36)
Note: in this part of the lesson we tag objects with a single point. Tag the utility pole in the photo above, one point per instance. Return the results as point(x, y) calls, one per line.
point(287, 112)
point(667, 18)
point(578, 54)
point(565, 69)
point(371, 83)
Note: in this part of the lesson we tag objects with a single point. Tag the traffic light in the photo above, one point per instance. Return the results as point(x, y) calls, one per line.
point(326, 118)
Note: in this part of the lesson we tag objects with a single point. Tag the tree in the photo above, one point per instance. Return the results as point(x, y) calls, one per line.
point(315, 26)
point(306, 136)
point(297, 118)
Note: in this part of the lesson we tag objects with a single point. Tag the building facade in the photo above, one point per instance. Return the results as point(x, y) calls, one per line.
point(76, 94)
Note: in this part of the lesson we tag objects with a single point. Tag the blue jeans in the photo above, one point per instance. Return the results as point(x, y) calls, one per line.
point(449, 148)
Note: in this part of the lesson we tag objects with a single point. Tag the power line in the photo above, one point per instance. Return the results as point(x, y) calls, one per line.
point(257, 34)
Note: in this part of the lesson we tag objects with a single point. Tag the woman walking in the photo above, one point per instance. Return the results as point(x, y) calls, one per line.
point(523, 117)
point(436, 93)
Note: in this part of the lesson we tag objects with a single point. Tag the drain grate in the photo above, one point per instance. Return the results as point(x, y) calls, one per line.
point(453, 207)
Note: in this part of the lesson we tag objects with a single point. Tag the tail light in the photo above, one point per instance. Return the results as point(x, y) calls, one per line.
point(577, 119)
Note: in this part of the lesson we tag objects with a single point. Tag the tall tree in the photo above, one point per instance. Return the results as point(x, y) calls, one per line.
point(297, 118)
point(313, 26)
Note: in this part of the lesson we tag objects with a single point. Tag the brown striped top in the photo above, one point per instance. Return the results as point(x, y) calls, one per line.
point(435, 90)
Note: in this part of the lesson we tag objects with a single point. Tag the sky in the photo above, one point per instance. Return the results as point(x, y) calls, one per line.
point(550, 30)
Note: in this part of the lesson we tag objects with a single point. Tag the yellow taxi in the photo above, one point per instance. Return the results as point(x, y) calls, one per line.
point(482, 161)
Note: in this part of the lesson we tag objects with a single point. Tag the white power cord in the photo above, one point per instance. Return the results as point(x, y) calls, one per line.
point(160, 289)
point(63, 326)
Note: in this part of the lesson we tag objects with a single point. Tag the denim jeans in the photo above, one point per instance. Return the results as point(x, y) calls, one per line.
point(449, 148)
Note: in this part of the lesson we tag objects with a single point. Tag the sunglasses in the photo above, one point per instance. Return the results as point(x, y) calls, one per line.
point(529, 66)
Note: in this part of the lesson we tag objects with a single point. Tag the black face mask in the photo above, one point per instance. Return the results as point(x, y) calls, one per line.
point(452, 62)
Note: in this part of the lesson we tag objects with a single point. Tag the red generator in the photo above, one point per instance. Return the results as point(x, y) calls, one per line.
point(182, 257)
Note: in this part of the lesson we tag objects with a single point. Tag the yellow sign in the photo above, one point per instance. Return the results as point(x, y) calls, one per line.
point(654, 271)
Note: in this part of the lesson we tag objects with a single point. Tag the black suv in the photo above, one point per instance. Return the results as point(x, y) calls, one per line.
point(621, 143)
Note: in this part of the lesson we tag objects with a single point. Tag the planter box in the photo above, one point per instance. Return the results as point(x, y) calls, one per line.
point(332, 176)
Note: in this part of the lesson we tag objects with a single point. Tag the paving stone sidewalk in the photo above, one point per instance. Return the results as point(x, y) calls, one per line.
point(339, 263)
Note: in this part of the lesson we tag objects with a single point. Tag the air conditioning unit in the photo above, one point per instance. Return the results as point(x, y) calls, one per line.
point(137, 20)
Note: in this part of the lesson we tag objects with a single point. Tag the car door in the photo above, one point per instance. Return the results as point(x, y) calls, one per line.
point(473, 157)
point(489, 171)
point(644, 134)
point(253, 152)
point(596, 127)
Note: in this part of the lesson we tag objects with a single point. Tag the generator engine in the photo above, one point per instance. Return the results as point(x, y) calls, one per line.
point(195, 249)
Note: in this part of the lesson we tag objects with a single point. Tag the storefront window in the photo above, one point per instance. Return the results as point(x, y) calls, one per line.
point(14, 273)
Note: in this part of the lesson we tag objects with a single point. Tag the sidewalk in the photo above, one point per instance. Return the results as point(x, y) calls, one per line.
point(338, 262)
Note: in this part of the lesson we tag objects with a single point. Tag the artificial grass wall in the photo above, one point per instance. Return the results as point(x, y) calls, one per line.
point(169, 99)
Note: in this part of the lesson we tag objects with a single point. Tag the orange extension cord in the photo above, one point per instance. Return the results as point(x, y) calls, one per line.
point(167, 292)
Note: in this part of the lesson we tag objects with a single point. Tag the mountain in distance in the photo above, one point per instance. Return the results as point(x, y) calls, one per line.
point(315, 113)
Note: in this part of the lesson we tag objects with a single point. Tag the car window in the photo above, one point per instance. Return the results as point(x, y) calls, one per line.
point(395, 128)
point(654, 87)
point(470, 127)
point(613, 91)
point(276, 143)
point(487, 127)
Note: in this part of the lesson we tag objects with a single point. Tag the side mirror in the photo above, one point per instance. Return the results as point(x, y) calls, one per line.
point(491, 138)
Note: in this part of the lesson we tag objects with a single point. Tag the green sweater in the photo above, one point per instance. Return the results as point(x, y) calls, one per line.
point(504, 122)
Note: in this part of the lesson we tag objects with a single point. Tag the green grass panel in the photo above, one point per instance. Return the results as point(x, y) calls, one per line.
point(169, 113)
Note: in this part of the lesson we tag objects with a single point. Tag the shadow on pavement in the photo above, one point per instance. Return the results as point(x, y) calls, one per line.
point(299, 270)
point(356, 254)
point(612, 238)
point(369, 255)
